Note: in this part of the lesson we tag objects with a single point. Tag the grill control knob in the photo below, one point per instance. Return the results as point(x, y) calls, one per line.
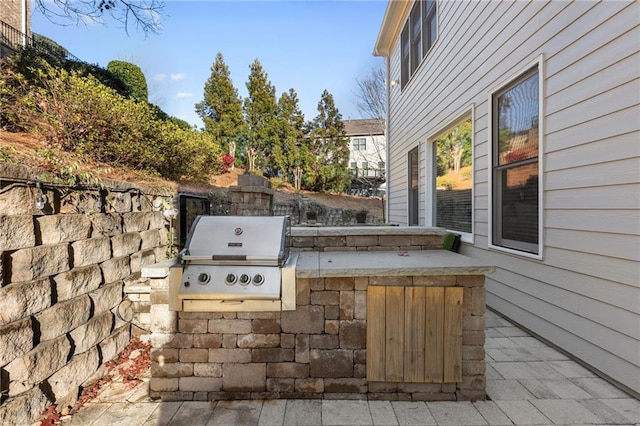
point(258, 279)
point(231, 279)
point(187, 283)
point(244, 279)
point(203, 278)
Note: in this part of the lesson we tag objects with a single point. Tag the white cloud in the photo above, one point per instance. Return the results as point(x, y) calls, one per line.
point(159, 77)
point(178, 76)
point(183, 95)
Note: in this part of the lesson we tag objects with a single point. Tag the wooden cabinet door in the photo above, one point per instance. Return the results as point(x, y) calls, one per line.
point(414, 334)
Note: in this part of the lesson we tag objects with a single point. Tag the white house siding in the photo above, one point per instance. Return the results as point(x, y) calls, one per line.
point(584, 295)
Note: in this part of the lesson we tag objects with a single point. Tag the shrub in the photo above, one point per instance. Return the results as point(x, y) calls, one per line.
point(445, 182)
point(227, 162)
point(132, 76)
point(276, 182)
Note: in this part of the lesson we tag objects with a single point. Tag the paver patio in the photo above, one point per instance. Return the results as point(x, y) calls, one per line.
point(528, 382)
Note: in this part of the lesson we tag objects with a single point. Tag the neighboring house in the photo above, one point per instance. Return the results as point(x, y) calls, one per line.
point(367, 154)
point(551, 90)
point(15, 25)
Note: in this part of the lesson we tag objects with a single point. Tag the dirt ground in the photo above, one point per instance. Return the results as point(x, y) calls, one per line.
point(29, 150)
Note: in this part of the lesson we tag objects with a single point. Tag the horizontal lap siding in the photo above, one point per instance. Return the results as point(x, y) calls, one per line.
point(584, 295)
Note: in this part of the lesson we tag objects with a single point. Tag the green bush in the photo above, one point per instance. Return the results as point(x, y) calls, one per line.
point(133, 78)
point(445, 182)
point(276, 182)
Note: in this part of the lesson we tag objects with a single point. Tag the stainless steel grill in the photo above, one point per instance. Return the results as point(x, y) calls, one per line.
point(233, 259)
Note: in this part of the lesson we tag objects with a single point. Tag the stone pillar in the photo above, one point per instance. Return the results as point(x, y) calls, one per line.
point(252, 196)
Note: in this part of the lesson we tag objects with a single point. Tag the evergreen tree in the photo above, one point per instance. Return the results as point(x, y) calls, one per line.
point(221, 109)
point(328, 148)
point(261, 112)
point(132, 76)
point(288, 154)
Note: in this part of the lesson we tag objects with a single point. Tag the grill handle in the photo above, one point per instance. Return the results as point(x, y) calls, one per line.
point(230, 257)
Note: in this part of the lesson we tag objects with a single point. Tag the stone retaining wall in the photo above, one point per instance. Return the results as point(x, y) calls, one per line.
point(62, 272)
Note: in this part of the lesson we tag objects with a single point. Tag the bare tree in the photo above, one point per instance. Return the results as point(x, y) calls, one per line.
point(371, 97)
point(144, 14)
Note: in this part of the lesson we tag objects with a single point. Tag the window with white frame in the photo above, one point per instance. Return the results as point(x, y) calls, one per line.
point(515, 164)
point(359, 144)
point(453, 166)
point(418, 35)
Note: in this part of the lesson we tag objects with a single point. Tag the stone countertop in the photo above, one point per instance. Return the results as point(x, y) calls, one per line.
point(331, 231)
point(387, 263)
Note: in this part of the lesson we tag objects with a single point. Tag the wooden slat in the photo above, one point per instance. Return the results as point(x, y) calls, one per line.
point(394, 336)
point(376, 334)
point(452, 334)
point(414, 317)
point(434, 339)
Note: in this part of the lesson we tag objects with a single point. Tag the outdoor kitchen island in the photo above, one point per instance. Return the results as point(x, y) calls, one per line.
point(381, 313)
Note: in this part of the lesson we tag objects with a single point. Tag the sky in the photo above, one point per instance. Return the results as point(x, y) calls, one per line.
point(309, 46)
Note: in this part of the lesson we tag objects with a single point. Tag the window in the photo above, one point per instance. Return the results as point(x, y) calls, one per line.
point(413, 187)
point(418, 35)
point(515, 170)
point(354, 165)
point(453, 165)
point(359, 144)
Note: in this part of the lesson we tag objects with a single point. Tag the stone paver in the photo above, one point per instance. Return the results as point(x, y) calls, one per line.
point(528, 382)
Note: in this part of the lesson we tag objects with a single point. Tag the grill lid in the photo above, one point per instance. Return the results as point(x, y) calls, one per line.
point(238, 239)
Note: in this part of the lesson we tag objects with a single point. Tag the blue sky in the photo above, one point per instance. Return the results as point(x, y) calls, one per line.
point(306, 45)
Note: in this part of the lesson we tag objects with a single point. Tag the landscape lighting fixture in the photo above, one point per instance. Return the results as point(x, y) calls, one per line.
point(41, 199)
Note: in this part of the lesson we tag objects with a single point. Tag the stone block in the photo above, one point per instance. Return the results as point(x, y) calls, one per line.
point(306, 242)
point(126, 244)
point(18, 201)
point(471, 323)
point(394, 240)
point(359, 371)
point(478, 383)
point(347, 305)
point(92, 332)
point(194, 355)
point(92, 250)
point(353, 334)
point(77, 281)
point(470, 280)
point(325, 298)
point(472, 352)
point(200, 384)
point(331, 241)
point(287, 369)
point(427, 241)
point(24, 409)
point(115, 343)
point(62, 228)
point(265, 326)
point(361, 283)
point(360, 356)
point(20, 300)
point(314, 385)
point(150, 239)
point(303, 292)
point(135, 221)
point(160, 384)
point(244, 377)
point(258, 340)
point(224, 355)
point(435, 280)
point(360, 305)
point(400, 280)
point(340, 283)
point(106, 225)
point(163, 320)
point(344, 385)
point(115, 269)
point(226, 326)
point(331, 326)
point(473, 338)
point(474, 301)
point(332, 312)
point(37, 364)
point(165, 355)
point(175, 369)
point(177, 341)
point(324, 341)
point(207, 341)
point(474, 368)
point(38, 262)
point(16, 339)
point(280, 385)
point(107, 297)
point(272, 355)
point(362, 240)
point(331, 363)
point(141, 259)
point(118, 202)
point(288, 341)
point(16, 232)
point(156, 220)
point(207, 370)
point(316, 284)
point(305, 319)
point(63, 317)
point(192, 325)
point(302, 348)
point(67, 380)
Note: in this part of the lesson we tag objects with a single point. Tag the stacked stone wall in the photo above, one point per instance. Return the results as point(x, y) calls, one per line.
point(62, 273)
